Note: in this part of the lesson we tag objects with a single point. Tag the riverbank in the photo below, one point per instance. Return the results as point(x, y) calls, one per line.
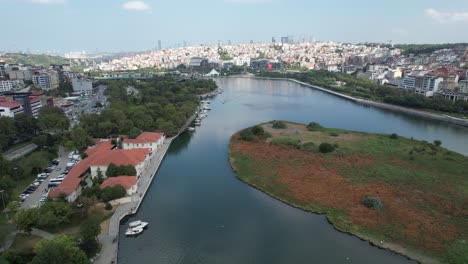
point(426, 225)
point(394, 108)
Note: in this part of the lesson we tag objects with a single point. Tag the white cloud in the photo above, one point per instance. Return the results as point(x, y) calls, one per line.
point(48, 2)
point(136, 5)
point(446, 17)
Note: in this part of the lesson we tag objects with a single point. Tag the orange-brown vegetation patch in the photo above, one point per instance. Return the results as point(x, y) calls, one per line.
point(318, 181)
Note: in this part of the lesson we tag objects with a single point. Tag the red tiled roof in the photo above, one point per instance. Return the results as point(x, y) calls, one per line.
point(9, 104)
point(101, 154)
point(34, 98)
point(125, 181)
point(145, 137)
point(120, 157)
point(101, 145)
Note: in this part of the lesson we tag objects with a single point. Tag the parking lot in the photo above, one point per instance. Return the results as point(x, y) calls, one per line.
point(34, 198)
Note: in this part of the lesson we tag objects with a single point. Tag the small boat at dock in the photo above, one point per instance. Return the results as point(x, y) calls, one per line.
point(191, 129)
point(134, 231)
point(138, 224)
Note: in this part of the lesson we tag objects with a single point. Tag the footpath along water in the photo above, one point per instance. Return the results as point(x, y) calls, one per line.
point(200, 213)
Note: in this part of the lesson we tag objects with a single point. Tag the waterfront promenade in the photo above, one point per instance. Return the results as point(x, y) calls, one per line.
point(110, 241)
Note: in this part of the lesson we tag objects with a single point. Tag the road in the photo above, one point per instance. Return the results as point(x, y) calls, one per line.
point(86, 106)
point(33, 199)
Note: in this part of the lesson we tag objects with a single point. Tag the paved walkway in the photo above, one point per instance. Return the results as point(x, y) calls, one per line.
point(18, 153)
point(110, 241)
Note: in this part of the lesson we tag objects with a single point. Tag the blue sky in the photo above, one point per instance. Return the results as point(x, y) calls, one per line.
point(120, 25)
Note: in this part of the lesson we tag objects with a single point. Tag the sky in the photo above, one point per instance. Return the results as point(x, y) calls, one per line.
point(121, 25)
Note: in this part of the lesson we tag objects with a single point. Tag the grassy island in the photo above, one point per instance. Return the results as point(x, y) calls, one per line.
point(398, 193)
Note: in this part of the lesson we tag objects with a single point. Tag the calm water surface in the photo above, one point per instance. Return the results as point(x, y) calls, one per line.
point(200, 213)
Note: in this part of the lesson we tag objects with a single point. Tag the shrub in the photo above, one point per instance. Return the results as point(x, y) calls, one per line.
point(268, 134)
point(372, 202)
point(437, 143)
point(309, 146)
point(108, 206)
point(394, 136)
point(279, 124)
point(313, 126)
point(112, 193)
point(291, 142)
point(247, 135)
point(326, 148)
point(258, 130)
point(333, 134)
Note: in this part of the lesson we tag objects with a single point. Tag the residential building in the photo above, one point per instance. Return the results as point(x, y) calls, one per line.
point(151, 140)
point(463, 86)
point(20, 73)
point(9, 85)
point(46, 80)
point(3, 67)
point(430, 85)
point(101, 156)
point(82, 86)
point(10, 109)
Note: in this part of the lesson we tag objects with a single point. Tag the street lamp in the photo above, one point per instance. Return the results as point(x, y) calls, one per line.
point(4, 207)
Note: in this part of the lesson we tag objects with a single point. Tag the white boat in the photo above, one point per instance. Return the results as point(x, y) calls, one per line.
point(134, 231)
point(198, 123)
point(138, 223)
point(191, 129)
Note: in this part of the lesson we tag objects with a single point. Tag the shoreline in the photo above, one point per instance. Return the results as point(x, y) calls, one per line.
point(394, 248)
point(390, 107)
point(110, 241)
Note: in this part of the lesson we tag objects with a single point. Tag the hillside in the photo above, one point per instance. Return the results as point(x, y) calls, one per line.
point(33, 59)
point(406, 195)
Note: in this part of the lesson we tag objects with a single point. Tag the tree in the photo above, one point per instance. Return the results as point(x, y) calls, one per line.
point(80, 138)
point(26, 219)
point(40, 140)
point(134, 132)
point(54, 213)
point(61, 249)
point(112, 193)
point(53, 119)
point(258, 130)
point(437, 143)
point(326, 147)
point(89, 230)
point(7, 132)
point(372, 202)
point(279, 124)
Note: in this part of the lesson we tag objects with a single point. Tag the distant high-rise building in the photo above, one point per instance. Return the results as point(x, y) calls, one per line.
point(185, 44)
point(284, 40)
point(159, 45)
point(220, 43)
point(229, 42)
point(273, 40)
point(251, 41)
point(2, 70)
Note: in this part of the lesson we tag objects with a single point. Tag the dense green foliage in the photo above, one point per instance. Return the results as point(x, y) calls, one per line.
point(418, 49)
point(122, 170)
point(279, 124)
point(49, 215)
point(53, 119)
point(372, 202)
point(161, 103)
point(258, 130)
point(89, 230)
point(112, 193)
point(60, 249)
point(247, 135)
point(313, 126)
point(16, 129)
point(326, 148)
point(364, 88)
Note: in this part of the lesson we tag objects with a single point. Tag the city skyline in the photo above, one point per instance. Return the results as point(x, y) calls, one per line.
point(138, 25)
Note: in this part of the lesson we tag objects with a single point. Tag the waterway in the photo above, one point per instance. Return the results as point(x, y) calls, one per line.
point(199, 212)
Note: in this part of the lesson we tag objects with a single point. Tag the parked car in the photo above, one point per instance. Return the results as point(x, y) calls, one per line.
point(56, 161)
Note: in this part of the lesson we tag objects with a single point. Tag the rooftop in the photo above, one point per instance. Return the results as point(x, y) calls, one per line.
point(125, 181)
